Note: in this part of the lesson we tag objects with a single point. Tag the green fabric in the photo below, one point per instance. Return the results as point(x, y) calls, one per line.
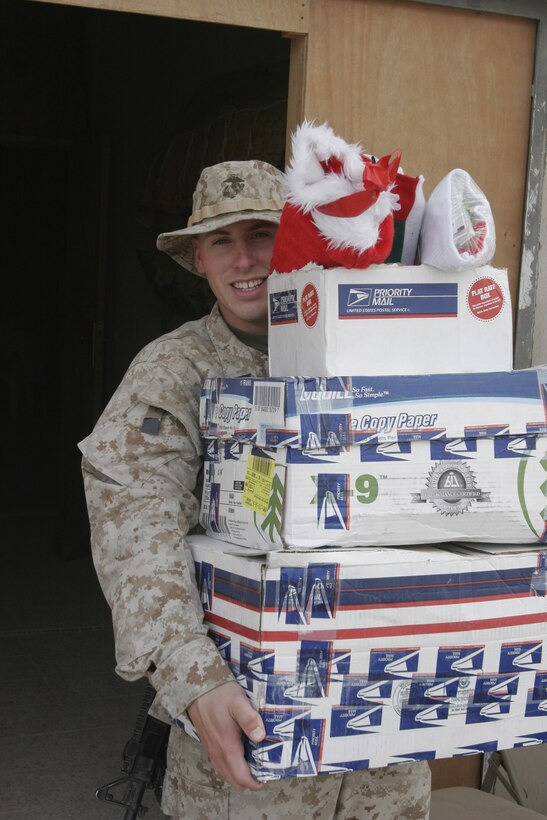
point(253, 340)
point(398, 239)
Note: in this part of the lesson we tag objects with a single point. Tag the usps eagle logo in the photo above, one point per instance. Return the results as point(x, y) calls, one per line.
point(359, 296)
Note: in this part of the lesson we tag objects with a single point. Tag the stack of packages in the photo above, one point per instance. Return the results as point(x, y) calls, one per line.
point(380, 592)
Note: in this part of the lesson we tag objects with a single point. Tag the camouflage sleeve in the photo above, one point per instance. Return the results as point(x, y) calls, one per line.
point(139, 515)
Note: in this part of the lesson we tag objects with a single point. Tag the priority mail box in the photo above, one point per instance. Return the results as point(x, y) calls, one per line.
point(358, 461)
point(389, 319)
point(364, 658)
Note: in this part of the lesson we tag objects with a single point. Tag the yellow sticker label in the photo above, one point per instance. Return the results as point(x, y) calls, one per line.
point(258, 483)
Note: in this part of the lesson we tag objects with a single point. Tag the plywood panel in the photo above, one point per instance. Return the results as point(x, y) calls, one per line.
point(280, 15)
point(450, 87)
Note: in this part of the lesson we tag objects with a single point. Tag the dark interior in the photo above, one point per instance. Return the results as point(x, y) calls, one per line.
point(106, 121)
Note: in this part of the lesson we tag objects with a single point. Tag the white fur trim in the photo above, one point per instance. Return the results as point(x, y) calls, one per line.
point(358, 232)
point(307, 183)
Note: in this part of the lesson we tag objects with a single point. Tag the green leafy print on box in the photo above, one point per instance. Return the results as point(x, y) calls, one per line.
point(522, 497)
point(272, 520)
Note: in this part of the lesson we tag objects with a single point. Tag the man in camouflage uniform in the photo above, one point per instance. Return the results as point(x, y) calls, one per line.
point(142, 466)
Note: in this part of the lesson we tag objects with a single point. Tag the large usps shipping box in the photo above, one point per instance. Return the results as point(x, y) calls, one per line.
point(389, 319)
point(365, 658)
point(357, 461)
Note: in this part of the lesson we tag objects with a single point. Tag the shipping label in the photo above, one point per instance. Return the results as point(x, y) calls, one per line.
point(407, 301)
point(283, 307)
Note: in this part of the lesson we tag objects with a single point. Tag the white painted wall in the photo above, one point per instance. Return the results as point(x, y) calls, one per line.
point(530, 764)
point(539, 351)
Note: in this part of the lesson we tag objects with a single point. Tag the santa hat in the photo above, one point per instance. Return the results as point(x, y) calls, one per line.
point(342, 205)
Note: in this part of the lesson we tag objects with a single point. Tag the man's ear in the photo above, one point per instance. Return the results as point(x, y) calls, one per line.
point(198, 264)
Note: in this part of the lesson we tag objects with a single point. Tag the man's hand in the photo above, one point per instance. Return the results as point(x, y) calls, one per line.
point(220, 716)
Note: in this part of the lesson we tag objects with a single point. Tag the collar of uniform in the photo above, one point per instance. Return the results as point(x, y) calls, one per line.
point(238, 359)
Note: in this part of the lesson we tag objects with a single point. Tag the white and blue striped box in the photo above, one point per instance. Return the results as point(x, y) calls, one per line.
point(357, 461)
point(367, 658)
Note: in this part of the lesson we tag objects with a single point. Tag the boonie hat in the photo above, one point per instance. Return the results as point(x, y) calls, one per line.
point(226, 193)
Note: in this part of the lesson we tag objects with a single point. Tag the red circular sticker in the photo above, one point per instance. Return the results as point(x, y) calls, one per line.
point(485, 299)
point(309, 305)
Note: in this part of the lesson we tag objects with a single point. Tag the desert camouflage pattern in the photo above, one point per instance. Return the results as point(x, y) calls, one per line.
point(399, 792)
point(235, 186)
point(142, 466)
point(225, 193)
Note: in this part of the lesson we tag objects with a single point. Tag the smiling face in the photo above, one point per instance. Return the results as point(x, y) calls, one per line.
point(236, 261)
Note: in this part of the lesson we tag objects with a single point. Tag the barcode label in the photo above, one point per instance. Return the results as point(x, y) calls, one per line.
point(264, 466)
point(268, 397)
point(259, 477)
point(268, 408)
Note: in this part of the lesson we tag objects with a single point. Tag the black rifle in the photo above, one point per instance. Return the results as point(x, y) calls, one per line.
point(143, 762)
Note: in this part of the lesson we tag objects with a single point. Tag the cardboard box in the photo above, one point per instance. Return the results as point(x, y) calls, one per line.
point(309, 413)
point(304, 463)
point(364, 658)
point(389, 319)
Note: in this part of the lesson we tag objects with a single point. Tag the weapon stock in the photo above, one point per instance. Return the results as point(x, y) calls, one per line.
point(143, 762)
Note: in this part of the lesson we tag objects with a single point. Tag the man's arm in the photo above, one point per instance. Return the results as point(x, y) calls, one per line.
point(220, 717)
point(147, 575)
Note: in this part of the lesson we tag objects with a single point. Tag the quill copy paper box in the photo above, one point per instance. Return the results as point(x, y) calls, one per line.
point(389, 319)
point(364, 658)
point(392, 460)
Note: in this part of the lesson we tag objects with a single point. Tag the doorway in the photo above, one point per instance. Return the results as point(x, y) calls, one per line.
point(108, 118)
